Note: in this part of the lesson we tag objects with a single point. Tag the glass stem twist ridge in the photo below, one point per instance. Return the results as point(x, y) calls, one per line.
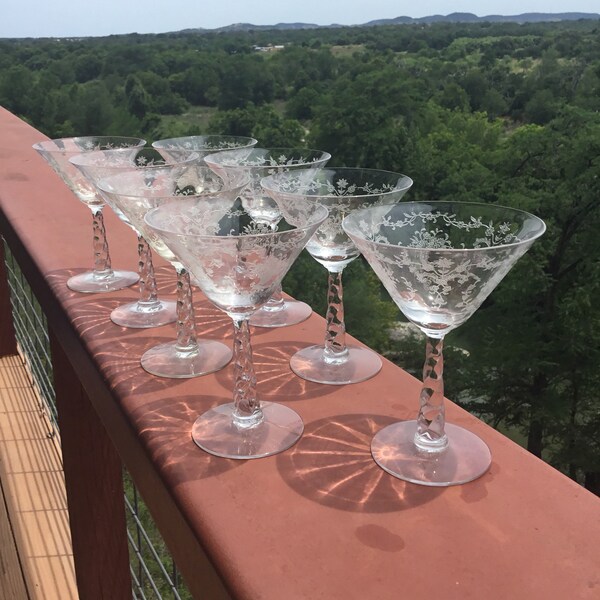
point(186, 331)
point(148, 289)
point(430, 435)
point(276, 301)
point(102, 266)
point(247, 411)
point(335, 334)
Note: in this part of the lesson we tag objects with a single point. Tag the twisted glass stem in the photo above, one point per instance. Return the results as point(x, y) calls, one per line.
point(247, 411)
point(335, 334)
point(276, 301)
point(186, 330)
point(102, 266)
point(430, 435)
point(148, 289)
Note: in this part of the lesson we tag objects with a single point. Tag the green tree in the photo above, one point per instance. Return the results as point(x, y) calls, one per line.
point(92, 111)
point(16, 85)
point(535, 379)
point(245, 80)
point(138, 99)
point(262, 123)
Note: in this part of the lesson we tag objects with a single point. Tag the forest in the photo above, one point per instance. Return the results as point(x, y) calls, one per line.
point(503, 113)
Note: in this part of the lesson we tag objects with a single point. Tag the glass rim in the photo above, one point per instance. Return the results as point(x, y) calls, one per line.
point(142, 171)
point(317, 221)
point(296, 172)
point(161, 143)
point(356, 214)
point(85, 159)
point(281, 150)
point(42, 144)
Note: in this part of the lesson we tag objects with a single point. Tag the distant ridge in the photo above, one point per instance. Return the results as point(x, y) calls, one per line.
point(451, 18)
point(471, 18)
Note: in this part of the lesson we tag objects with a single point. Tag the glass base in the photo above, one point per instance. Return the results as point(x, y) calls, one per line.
point(466, 457)
point(215, 432)
point(137, 315)
point(90, 283)
point(292, 313)
point(167, 360)
point(311, 364)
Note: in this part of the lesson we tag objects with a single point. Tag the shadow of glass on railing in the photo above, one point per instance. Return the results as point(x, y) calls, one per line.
point(153, 571)
point(276, 381)
point(332, 465)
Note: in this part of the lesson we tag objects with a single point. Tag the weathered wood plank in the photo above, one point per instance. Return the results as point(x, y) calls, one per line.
point(12, 583)
point(34, 491)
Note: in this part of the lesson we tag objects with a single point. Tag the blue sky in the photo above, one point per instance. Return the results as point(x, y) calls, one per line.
point(64, 18)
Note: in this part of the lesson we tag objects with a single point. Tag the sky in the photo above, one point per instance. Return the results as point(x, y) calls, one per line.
point(78, 18)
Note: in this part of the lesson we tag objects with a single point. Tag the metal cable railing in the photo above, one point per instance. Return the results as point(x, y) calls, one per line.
point(153, 572)
point(149, 560)
point(31, 330)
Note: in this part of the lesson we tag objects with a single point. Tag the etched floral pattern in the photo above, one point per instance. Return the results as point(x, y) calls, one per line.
point(237, 260)
point(437, 264)
point(438, 237)
point(237, 264)
point(341, 191)
point(173, 148)
point(257, 163)
point(57, 153)
point(439, 261)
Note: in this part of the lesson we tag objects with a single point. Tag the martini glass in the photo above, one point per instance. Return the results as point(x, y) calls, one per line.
point(238, 262)
point(148, 311)
point(173, 148)
point(134, 193)
point(341, 190)
point(258, 163)
point(57, 154)
point(439, 261)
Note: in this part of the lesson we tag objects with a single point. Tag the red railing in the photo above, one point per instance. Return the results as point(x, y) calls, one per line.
point(318, 521)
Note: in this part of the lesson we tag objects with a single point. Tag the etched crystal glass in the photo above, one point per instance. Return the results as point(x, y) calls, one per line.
point(258, 163)
point(149, 310)
point(341, 190)
point(439, 261)
point(173, 148)
point(238, 263)
point(134, 193)
point(57, 154)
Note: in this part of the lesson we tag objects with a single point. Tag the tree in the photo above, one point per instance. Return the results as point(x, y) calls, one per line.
point(536, 379)
point(15, 89)
point(92, 109)
point(361, 120)
point(161, 99)
point(138, 100)
point(262, 123)
point(245, 79)
point(302, 104)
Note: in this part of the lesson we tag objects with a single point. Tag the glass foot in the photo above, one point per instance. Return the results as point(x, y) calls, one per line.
point(139, 315)
point(291, 313)
point(215, 432)
point(167, 360)
point(90, 283)
point(466, 457)
point(311, 364)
